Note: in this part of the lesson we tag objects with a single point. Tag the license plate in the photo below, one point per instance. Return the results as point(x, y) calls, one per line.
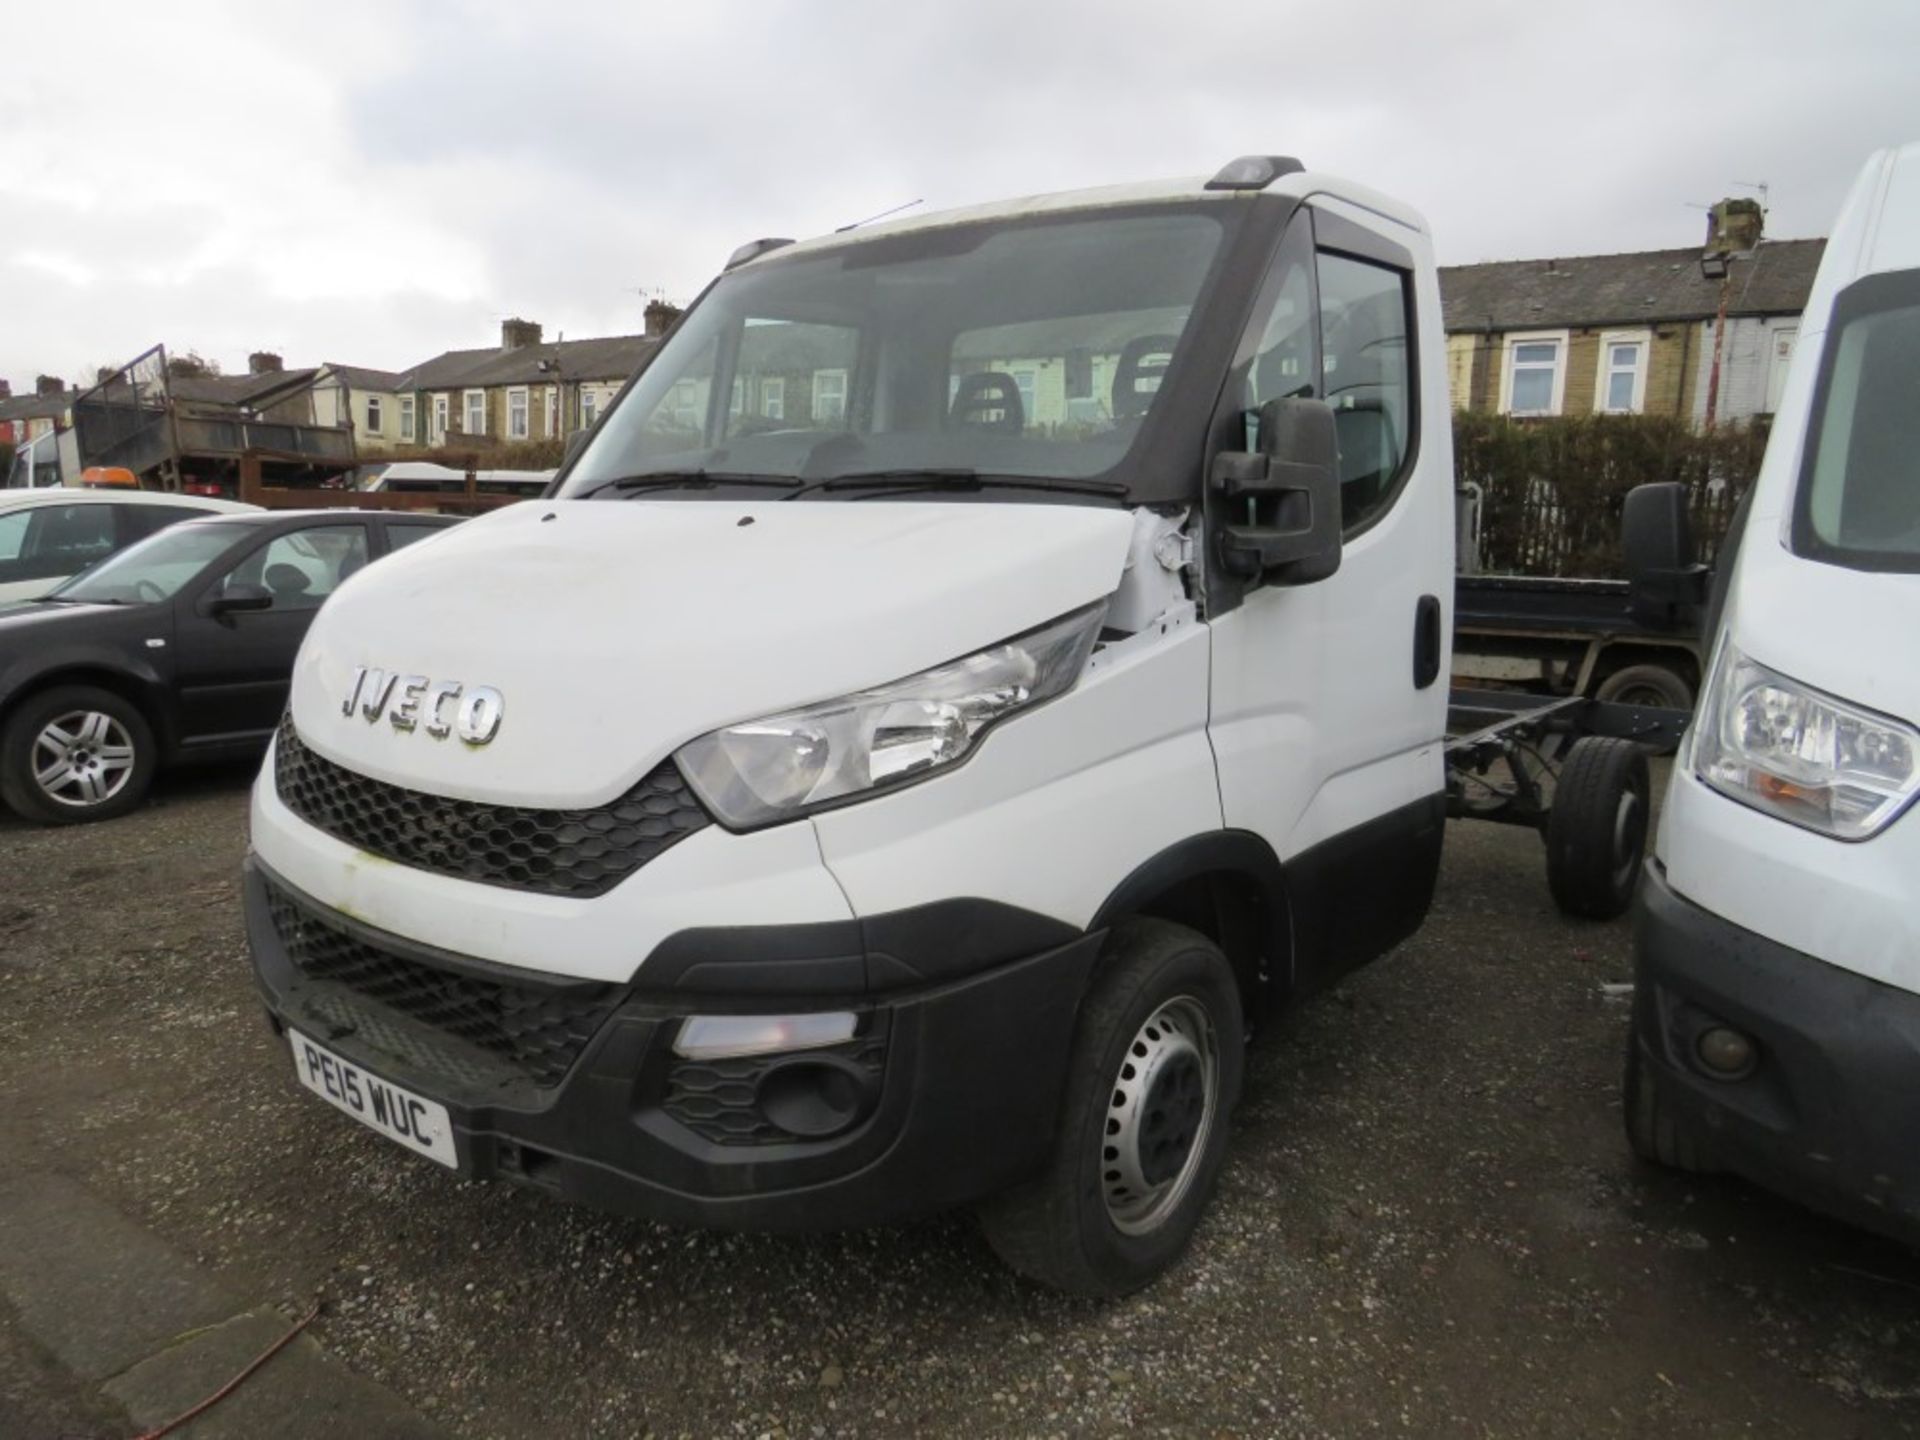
point(414, 1121)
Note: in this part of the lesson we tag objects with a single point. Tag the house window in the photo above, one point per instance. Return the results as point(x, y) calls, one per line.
point(406, 417)
point(373, 414)
point(773, 397)
point(830, 395)
point(517, 414)
point(589, 406)
point(440, 406)
point(553, 411)
point(1622, 387)
point(1534, 379)
point(476, 412)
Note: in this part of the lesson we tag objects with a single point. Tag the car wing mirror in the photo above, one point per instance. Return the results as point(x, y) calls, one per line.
point(1665, 584)
point(1282, 500)
point(238, 596)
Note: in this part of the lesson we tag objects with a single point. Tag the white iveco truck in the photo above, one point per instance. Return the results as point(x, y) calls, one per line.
point(979, 665)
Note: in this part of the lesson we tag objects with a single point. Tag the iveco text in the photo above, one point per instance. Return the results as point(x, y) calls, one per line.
point(978, 667)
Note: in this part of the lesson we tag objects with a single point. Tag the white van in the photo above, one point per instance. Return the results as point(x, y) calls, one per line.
point(1776, 1020)
point(980, 665)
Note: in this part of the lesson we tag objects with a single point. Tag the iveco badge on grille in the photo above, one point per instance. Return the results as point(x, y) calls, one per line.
point(440, 707)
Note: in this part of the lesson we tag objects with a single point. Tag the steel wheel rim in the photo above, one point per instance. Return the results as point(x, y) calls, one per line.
point(1626, 836)
point(81, 759)
point(1159, 1116)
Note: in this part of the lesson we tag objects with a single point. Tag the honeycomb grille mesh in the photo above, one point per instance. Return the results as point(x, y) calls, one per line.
point(534, 1033)
point(718, 1099)
point(552, 852)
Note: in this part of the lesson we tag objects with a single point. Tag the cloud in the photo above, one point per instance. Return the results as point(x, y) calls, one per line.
point(374, 183)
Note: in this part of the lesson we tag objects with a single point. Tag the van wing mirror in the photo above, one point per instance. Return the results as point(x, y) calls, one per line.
point(1281, 502)
point(1665, 585)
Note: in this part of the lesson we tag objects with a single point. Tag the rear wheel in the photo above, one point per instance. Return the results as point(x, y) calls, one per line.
point(1154, 1075)
point(76, 753)
point(1651, 685)
point(1597, 828)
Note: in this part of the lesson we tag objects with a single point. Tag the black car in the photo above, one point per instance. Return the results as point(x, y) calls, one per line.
point(180, 646)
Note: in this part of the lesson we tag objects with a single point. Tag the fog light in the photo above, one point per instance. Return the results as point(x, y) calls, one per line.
point(716, 1037)
point(1727, 1053)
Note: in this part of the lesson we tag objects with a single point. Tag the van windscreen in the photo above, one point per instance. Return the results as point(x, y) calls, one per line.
point(1859, 494)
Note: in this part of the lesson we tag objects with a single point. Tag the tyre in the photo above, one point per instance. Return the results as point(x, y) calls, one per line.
point(1653, 1131)
point(1154, 1074)
point(1646, 685)
point(76, 753)
point(1597, 828)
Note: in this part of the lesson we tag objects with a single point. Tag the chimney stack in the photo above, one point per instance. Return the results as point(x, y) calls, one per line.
point(6, 389)
point(264, 362)
point(660, 317)
point(49, 385)
point(1734, 226)
point(517, 334)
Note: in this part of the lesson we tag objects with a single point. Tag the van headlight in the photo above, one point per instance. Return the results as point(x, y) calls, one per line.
point(1776, 745)
point(765, 771)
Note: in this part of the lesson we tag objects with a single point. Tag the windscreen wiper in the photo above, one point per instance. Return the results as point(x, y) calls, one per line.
point(949, 478)
point(683, 480)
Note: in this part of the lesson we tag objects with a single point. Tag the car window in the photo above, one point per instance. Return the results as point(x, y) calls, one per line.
point(50, 542)
point(13, 533)
point(155, 569)
point(402, 533)
point(1367, 379)
point(303, 567)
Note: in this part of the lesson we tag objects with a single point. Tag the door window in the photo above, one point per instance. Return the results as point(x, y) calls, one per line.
point(1366, 365)
point(49, 541)
point(303, 567)
point(402, 533)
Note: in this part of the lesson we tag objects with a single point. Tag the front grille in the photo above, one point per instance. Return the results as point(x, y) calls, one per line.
point(719, 1099)
point(503, 1031)
point(553, 852)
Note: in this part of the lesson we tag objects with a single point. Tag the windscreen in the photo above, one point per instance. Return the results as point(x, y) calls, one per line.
point(153, 570)
point(1859, 501)
point(1029, 349)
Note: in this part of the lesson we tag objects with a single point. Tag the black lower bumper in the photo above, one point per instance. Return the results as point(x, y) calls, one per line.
point(948, 1093)
point(1830, 1113)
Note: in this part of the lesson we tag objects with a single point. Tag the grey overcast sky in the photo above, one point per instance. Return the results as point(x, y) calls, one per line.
point(373, 184)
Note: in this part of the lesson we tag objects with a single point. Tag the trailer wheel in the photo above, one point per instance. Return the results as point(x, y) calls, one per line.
point(1154, 1074)
point(1597, 828)
point(1654, 1132)
point(1646, 685)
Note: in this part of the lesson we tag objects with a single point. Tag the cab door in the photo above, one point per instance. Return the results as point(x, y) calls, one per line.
point(232, 669)
point(1329, 698)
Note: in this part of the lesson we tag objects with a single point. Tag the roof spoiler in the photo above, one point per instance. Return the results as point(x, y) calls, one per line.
point(1254, 172)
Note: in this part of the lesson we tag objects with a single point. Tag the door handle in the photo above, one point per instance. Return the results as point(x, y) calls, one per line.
point(1426, 641)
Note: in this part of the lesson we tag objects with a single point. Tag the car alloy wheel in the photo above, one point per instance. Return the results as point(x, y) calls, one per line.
point(82, 758)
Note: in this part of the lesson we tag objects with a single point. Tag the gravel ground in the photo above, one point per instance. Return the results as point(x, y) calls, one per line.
point(1429, 1224)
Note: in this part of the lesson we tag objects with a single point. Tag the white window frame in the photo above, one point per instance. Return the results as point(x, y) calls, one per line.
point(773, 397)
point(374, 417)
point(406, 417)
point(467, 399)
point(839, 375)
point(1560, 339)
point(442, 417)
point(553, 411)
point(1605, 370)
point(517, 396)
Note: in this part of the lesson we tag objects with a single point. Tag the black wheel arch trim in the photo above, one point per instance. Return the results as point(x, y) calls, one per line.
point(1237, 853)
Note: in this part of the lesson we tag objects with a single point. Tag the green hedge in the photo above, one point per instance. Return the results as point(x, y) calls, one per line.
point(1552, 489)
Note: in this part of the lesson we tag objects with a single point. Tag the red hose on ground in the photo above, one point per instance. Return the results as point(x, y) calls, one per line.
point(235, 1383)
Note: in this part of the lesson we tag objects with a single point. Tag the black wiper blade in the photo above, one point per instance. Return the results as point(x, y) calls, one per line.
point(684, 480)
point(951, 478)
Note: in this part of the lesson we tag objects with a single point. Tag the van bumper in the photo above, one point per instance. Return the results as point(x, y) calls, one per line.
point(948, 1093)
point(1829, 1115)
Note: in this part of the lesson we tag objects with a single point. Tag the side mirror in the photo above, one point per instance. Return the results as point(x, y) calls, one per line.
point(1283, 500)
point(240, 596)
point(1665, 586)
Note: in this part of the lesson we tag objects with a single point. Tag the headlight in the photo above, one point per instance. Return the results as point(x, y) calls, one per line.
point(774, 769)
point(1772, 743)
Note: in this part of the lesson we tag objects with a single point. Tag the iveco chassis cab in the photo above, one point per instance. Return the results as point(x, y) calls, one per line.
point(978, 666)
point(1777, 1009)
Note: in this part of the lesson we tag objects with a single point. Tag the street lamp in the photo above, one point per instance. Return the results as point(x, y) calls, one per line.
point(1717, 265)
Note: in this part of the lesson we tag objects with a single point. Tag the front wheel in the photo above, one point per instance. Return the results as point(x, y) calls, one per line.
point(1155, 1072)
point(76, 753)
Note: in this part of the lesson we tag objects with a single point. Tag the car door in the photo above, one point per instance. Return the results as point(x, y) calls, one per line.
point(41, 545)
point(1328, 700)
point(232, 668)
